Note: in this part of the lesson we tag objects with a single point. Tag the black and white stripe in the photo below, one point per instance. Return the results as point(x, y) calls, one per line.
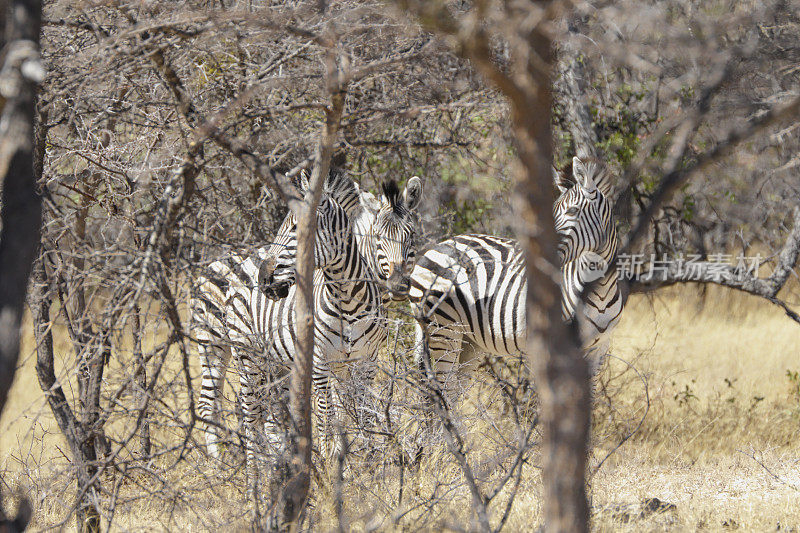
point(469, 291)
point(233, 306)
point(348, 316)
point(209, 310)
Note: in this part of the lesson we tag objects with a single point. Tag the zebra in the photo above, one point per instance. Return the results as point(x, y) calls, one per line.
point(384, 235)
point(469, 291)
point(209, 309)
point(349, 315)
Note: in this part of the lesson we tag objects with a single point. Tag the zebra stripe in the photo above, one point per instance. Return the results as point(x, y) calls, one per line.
point(351, 313)
point(349, 325)
point(588, 247)
point(385, 233)
point(469, 291)
point(209, 310)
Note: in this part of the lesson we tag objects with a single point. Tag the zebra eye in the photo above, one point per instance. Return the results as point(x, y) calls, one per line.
point(572, 211)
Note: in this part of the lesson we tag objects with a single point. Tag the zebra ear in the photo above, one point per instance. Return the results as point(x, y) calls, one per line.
point(582, 175)
point(413, 193)
point(560, 181)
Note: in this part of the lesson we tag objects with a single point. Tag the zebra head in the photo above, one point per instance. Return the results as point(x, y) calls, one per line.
point(583, 211)
point(284, 244)
point(395, 235)
point(333, 232)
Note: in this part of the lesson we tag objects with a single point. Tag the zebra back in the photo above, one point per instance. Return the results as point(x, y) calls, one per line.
point(472, 288)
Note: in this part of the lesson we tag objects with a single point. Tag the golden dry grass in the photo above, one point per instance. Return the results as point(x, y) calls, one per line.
point(721, 401)
point(720, 440)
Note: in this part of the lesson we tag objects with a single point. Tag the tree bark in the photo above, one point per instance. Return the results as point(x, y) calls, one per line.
point(80, 442)
point(561, 372)
point(141, 384)
point(295, 490)
point(21, 205)
point(733, 277)
point(572, 86)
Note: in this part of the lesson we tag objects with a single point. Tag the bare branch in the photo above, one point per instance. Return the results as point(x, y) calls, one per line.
point(672, 181)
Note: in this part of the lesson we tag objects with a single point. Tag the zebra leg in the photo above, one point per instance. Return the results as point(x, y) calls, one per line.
point(214, 363)
point(252, 408)
point(276, 415)
point(437, 351)
point(596, 353)
point(361, 376)
point(330, 407)
point(321, 409)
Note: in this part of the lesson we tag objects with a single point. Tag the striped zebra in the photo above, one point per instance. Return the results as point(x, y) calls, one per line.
point(469, 291)
point(349, 316)
point(233, 305)
point(209, 309)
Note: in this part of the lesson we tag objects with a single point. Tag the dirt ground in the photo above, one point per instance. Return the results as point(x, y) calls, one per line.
point(718, 448)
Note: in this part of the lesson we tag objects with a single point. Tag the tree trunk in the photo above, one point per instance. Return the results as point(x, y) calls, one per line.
point(560, 370)
point(294, 493)
point(21, 205)
point(141, 384)
point(80, 442)
point(562, 373)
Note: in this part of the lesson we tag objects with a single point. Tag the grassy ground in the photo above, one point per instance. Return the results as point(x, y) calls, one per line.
point(719, 441)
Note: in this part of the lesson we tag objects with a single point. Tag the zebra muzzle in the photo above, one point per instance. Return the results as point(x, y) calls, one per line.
point(398, 286)
point(277, 290)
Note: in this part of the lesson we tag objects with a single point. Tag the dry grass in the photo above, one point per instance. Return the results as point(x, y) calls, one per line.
point(721, 402)
point(719, 441)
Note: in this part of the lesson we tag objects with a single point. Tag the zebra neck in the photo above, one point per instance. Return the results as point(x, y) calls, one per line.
point(579, 284)
point(349, 280)
point(364, 230)
point(604, 289)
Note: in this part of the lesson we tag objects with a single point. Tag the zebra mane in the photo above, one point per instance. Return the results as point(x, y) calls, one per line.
point(392, 193)
point(600, 174)
point(338, 183)
point(343, 190)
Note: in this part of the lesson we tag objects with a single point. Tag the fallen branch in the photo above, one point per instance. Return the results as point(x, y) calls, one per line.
point(770, 472)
